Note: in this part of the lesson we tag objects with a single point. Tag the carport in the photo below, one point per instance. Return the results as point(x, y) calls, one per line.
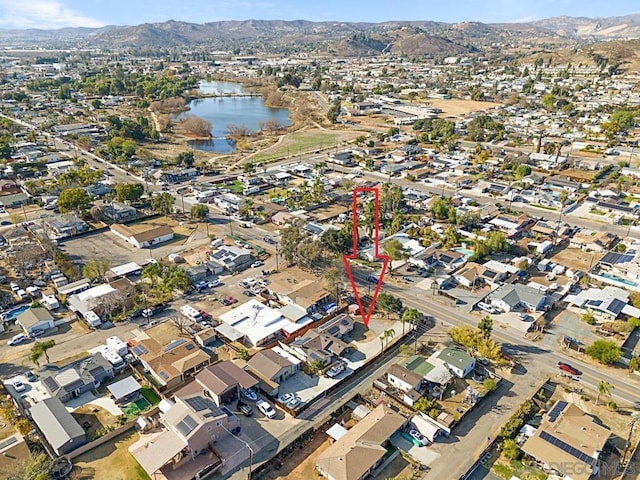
point(228, 332)
point(124, 390)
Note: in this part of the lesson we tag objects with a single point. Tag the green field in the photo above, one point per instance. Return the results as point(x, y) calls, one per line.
point(302, 142)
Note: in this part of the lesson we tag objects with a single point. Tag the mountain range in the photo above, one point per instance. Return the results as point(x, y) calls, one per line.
point(338, 38)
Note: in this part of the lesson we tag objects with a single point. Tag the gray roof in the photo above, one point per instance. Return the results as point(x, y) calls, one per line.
point(56, 423)
point(513, 294)
point(33, 316)
point(73, 376)
point(124, 387)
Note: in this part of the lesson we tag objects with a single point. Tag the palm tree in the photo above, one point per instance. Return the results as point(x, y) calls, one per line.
point(34, 356)
point(603, 388)
point(46, 345)
point(390, 333)
point(410, 315)
point(382, 342)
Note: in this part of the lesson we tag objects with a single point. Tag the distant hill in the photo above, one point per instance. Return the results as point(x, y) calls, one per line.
point(339, 38)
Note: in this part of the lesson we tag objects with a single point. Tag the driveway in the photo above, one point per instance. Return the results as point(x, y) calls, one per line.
point(424, 455)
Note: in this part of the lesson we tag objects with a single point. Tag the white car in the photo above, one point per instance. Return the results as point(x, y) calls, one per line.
point(17, 339)
point(419, 437)
point(214, 283)
point(257, 264)
point(487, 308)
point(266, 409)
point(19, 386)
point(286, 397)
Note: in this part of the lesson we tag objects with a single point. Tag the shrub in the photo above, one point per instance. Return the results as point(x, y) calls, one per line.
point(511, 449)
point(588, 318)
point(604, 351)
point(611, 405)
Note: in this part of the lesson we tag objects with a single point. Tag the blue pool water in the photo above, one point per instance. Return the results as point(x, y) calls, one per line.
point(464, 251)
point(13, 314)
point(615, 278)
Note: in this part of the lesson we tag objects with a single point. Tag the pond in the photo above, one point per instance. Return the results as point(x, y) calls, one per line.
point(224, 111)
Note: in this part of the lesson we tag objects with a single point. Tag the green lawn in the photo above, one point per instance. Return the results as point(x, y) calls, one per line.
point(301, 142)
point(134, 409)
point(152, 397)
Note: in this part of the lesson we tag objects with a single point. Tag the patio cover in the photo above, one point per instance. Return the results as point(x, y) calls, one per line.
point(155, 454)
point(439, 375)
point(227, 331)
point(425, 427)
point(124, 387)
point(336, 431)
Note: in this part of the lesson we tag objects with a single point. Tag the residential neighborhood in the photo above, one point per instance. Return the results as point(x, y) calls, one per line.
point(254, 256)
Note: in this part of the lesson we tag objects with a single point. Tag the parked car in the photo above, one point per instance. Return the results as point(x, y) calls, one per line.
point(202, 285)
point(230, 299)
point(286, 397)
point(248, 293)
point(269, 240)
point(17, 339)
point(214, 283)
point(487, 308)
point(568, 368)
point(294, 402)
point(19, 386)
point(524, 317)
point(257, 264)
point(419, 437)
point(36, 333)
point(266, 409)
point(246, 410)
point(30, 376)
point(336, 370)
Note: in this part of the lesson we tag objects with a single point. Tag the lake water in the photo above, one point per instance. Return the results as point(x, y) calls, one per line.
point(224, 111)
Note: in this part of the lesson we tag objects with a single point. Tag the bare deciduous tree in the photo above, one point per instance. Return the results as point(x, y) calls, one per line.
point(195, 126)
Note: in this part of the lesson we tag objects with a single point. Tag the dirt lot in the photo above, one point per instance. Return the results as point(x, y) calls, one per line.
point(112, 457)
point(460, 108)
point(92, 419)
point(301, 464)
point(164, 333)
point(575, 259)
point(580, 175)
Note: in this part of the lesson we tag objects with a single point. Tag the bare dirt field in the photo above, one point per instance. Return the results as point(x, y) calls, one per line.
point(111, 460)
point(459, 108)
point(92, 419)
point(300, 465)
point(583, 175)
point(575, 259)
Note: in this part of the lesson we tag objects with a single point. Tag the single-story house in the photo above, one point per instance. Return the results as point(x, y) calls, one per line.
point(598, 242)
point(76, 378)
point(273, 366)
point(511, 297)
point(568, 441)
point(471, 275)
point(119, 212)
point(233, 259)
point(357, 453)
point(403, 378)
point(144, 239)
point(458, 361)
point(58, 426)
point(35, 319)
point(609, 302)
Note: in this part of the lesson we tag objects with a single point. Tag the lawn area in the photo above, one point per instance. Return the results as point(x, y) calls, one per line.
point(302, 142)
point(111, 460)
point(133, 409)
point(152, 397)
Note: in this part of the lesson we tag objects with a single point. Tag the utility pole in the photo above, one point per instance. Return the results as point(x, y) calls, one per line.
point(277, 268)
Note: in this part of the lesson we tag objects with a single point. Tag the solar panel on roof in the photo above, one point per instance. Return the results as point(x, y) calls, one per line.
point(197, 403)
point(565, 447)
point(174, 344)
point(616, 306)
point(139, 350)
point(557, 409)
point(191, 346)
point(164, 375)
point(50, 383)
point(9, 441)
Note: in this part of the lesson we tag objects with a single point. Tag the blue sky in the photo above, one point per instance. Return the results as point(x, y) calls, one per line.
point(94, 13)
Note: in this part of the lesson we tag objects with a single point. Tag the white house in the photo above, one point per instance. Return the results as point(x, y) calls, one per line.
point(458, 361)
point(143, 239)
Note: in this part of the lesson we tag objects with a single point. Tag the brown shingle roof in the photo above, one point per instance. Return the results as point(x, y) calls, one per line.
point(219, 377)
point(353, 455)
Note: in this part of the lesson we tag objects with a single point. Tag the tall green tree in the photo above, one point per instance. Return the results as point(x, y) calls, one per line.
point(604, 388)
point(396, 251)
point(73, 199)
point(163, 203)
point(486, 326)
point(131, 192)
point(96, 268)
point(411, 316)
point(606, 352)
point(199, 211)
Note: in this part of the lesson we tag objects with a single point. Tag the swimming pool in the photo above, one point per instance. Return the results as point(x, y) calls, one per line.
point(464, 251)
point(615, 278)
point(11, 315)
